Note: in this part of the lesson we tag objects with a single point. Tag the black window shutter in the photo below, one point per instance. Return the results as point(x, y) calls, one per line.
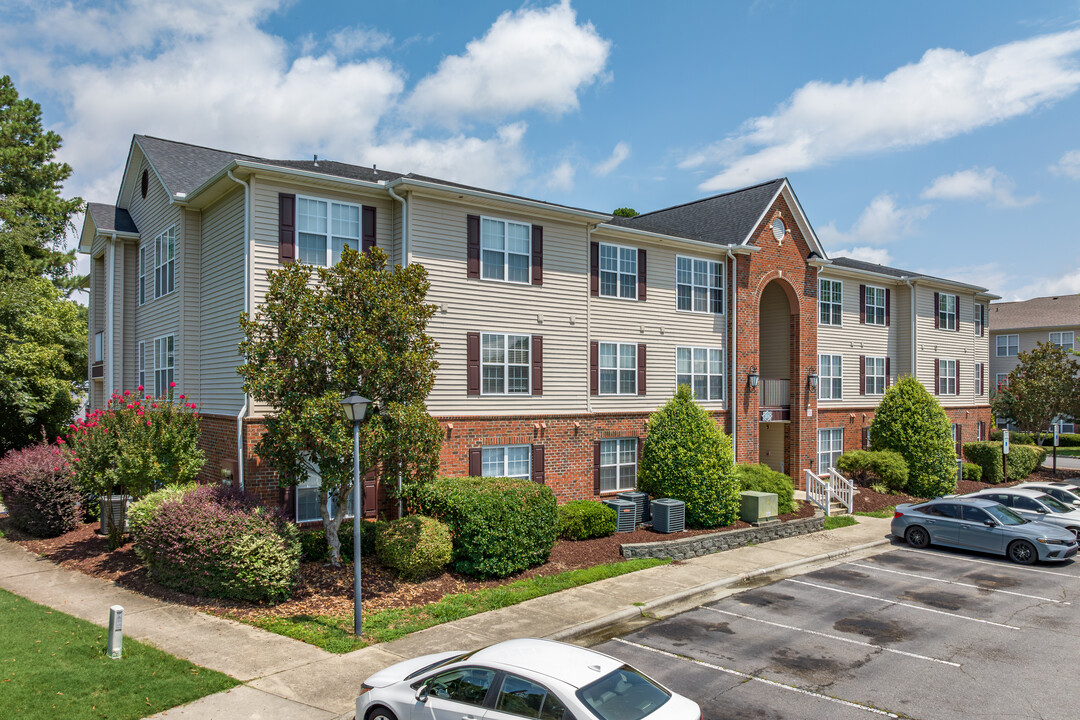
point(862, 304)
point(538, 463)
point(888, 306)
point(641, 369)
point(368, 238)
point(957, 328)
point(957, 377)
point(642, 276)
point(594, 270)
point(473, 246)
point(476, 462)
point(596, 466)
point(537, 254)
point(937, 377)
point(937, 310)
point(862, 374)
point(288, 502)
point(286, 227)
point(888, 371)
point(472, 363)
point(537, 364)
point(594, 368)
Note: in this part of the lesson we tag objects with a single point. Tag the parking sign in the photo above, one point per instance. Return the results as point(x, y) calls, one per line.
point(1005, 442)
point(1057, 434)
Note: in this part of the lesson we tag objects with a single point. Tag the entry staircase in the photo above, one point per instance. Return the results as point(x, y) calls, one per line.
point(832, 492)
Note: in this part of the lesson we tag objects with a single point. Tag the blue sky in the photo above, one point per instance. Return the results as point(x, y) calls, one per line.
point(933, 136)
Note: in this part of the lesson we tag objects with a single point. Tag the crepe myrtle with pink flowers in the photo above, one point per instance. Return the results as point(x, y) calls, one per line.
point(135, 444)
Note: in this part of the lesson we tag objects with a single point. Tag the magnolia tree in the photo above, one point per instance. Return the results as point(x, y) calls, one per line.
point(1041, 388)
point(323, 332)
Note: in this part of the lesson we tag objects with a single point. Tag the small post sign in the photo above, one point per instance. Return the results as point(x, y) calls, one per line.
point(1057, 440)
point(1004, 455)
point(116, 632)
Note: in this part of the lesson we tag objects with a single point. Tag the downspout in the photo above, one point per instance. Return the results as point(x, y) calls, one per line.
point(588, 315)
point(404, 263)
point(914, 331)
point(110, 309)
point(734, 358)
point(247, 299)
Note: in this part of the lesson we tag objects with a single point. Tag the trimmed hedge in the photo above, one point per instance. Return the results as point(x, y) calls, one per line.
point(875, 467)
point(585, 519)
point(313, 547)
point(972, 472)
point(910, 421)
point(38, 489)
point(217, 542)
point(1023, 438)
point(762, 478)
point(500, 526)
point(142, 511)
point(416, 547)
point(1022, 459)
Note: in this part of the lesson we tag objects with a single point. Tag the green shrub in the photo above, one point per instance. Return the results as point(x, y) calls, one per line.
point(762, 478)
point(972, 472)
point(142, 511)
point(585, 519)
point(500, 526)
point(883, 468)
point(416, 547)
point(1022, 459)
point(1064, 439)
point(688, 457)
point(910, 421)
point(313, 541)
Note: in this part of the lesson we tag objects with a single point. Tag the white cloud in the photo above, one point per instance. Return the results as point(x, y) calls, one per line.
point(879, 256)
point(529, 59)
point(883, 221)
point(350, 41)
point(946, 93)
point(1068, 165)
point(562, 177)
point(1065, 283)
point(618, 155)
point(976, 184)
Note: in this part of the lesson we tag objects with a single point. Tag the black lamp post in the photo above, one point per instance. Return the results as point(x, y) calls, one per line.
point(355, 408)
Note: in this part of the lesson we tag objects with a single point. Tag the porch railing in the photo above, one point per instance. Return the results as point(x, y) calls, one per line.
point(817, 491)
point(828, 487)
point(774, 392)
point(842, 489)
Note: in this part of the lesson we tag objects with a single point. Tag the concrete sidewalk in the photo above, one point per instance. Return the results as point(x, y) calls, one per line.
point(285, 678)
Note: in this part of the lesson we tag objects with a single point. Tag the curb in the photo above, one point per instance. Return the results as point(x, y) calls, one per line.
point(699, 592)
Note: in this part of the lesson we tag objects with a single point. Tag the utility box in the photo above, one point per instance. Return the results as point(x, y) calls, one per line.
point(625, 515)
point(757, 507)
point(668, 515)
point(641, 500)
point(115, 505)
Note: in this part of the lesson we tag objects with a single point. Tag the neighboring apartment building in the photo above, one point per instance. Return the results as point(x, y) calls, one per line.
point(560, 329)
point(1017, 327)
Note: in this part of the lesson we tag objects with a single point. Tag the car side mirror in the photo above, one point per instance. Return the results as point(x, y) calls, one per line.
point(422, 693)
point(1041, 511)
point(989, 523)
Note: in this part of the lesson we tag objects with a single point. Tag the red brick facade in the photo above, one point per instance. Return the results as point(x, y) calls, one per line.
point(855, 421)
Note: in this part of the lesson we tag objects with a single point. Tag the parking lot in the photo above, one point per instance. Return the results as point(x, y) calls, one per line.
point(907, 633)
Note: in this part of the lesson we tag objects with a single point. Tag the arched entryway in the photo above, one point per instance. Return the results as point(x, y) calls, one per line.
point(776, 368)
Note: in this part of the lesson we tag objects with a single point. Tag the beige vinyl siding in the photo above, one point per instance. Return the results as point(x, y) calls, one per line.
point(189, 284)
point(961, 345)
point(1028, 340)
point(220, 302)
point(854, 339)
point(555, 310)
point(158, 316)
point(657, 322)
point(129, 369)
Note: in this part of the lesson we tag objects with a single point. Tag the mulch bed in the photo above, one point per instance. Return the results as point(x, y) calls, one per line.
point(866, 500)
point(323, 589)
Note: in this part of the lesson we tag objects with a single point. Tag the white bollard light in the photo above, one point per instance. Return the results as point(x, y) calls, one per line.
point(116, 632)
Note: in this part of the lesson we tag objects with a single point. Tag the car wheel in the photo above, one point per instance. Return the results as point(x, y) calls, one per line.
point(1022, 552)
point(379, 713)
point(917, 537)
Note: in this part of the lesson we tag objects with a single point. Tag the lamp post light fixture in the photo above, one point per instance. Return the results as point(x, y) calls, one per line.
point(753, 377)
point(813, 377)
point(355, 408)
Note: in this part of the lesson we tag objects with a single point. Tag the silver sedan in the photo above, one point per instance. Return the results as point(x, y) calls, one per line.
point(1034, 505)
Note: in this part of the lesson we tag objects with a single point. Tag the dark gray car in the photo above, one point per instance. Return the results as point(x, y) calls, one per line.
point(981, 524)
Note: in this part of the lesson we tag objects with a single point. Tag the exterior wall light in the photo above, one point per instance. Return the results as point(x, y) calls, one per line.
point(753, 377)
point(813, 377)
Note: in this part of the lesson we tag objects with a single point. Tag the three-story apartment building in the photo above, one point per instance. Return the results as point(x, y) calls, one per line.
point(560, 329)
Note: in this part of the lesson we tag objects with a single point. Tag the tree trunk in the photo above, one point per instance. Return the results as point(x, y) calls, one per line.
point(330, 525)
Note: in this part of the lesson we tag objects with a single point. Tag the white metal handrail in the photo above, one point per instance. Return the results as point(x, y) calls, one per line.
point(842, 489)
point(818, 491)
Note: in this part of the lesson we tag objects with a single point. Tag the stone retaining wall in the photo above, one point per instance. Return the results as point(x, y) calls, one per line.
point(717, 542)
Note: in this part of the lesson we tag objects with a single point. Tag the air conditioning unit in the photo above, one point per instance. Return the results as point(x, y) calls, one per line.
point(625, 515)
point(641, 500)
point(668, 516)
point(115, 505)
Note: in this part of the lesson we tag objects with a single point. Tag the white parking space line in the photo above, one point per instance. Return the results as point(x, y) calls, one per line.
point(904, 604)
point(878, 568)
point(774, 683)
point(1011, 566)
point(833, 637)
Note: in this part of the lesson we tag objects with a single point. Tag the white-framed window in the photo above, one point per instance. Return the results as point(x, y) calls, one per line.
point(980, 431)
point(946, 377)
point(699, 285)
point(505, 250)
point(702, 369)
point(1008, 345)
point(830, 447)
point(830, 302)
point(507, 461)
point(141, 365)
point(307, 500)
point(505, 364)
point(874, 299)
point(978, 378)
point(1001, 380)
point(618, 368)
point(979, 310)
point(163, 364)
point(1063, 340)
point(165, 262)
point(876, 379)
point(830, 377)
point(618, 271)
point(1067, 425)
point(324, 228)
point(99, 346)
point(618, 464)
point(946, 311)
point(144, 263)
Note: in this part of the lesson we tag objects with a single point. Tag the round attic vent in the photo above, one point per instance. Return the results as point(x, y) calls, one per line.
point(778, 229)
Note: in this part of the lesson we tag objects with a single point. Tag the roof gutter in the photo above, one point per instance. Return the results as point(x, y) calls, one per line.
point(404, 226)
point(742, 250)
point(532, 204)
point(247, 310)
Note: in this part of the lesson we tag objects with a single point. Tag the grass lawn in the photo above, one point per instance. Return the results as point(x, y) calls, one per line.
point(53, 665)
point(883, 513)
point(1064, 452)
point(839, 521)
point(334, 633)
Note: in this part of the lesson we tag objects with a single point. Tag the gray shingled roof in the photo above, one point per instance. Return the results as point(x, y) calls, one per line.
point(184, 167)
point(725, 219)
point(1054, 311)
point(110, 218)
point(853, 264)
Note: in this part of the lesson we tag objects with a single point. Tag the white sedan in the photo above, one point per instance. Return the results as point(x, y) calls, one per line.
point(526, 678)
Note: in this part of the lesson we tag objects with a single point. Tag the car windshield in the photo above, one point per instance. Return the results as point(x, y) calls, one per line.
point(1054, 504)
point(624, 694)
point(440, 663)
point(1004, 515)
